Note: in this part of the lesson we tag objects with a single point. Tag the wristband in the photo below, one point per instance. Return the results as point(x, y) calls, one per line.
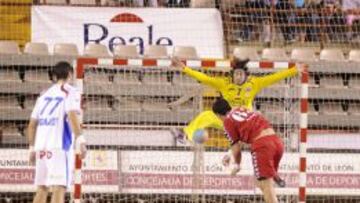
point(236, 166)
point(79, 140)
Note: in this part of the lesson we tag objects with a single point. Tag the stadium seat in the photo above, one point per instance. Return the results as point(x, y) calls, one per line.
point(354, 108)
point(275, 54)
point(9, 47)
point(96, 76)
point(127, 104)
point(9, 130)
point(331, 108)
point(182, 79)
point(271, 107)
point(354, 82)
point(35, 48)
point(185, 106)
point(83, 2)
point(7, 75)
point(155, 105)
point(126, 51)
point(9, 102)
point(246, 52)
point(29, 102)
point(96, 50)
point(66, 49)
point(185, 52)
point(332, 55)
point(273, 110)
point(160, 78)
point(55, 2)
point(37, 76)
point(303, 54)
point(97, 103)
point(281, 83)
point(313, 81)
point(202, 4)
point(227, 4)
point(332, 81)
point(354, 55)
point(155, 51)
point(127, 77)
point(311, 109)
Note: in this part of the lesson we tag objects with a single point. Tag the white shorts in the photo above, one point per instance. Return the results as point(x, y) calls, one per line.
point(54, 168)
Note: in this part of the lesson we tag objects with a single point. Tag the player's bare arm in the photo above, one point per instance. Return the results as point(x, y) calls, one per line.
point(80, 142)
point(177, 63)
point(31, 137)
point(236, 153)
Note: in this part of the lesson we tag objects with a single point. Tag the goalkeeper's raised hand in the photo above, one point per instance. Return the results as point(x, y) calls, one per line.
point(177, 63)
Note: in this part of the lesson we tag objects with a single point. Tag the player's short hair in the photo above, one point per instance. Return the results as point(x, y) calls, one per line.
point(221, 107)
point(237, 64)
point(62, 70)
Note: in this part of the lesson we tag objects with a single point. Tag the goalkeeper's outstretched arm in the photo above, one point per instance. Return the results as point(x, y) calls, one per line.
point(271, 79)
point(213, 82)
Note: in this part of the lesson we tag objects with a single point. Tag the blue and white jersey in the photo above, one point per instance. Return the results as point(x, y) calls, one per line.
point(53, 130)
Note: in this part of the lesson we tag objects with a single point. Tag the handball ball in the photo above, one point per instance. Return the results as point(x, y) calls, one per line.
point(200, 136)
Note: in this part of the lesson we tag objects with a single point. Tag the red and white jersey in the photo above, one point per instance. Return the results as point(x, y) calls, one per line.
point(53, 129)
point(244, 125)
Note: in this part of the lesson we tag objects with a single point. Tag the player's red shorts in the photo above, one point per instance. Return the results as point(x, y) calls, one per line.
point(266, 154)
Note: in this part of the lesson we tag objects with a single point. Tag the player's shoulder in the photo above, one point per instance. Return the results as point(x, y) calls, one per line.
point(239, 109)
point(230, 116)
point(239, 114)
point(228, 121)
point(48, 91)
point(69, 89)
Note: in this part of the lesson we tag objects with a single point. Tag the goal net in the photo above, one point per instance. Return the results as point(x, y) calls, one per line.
point(128, 123)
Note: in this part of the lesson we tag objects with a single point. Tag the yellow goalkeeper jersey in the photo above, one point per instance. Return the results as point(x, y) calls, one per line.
point(240, 95)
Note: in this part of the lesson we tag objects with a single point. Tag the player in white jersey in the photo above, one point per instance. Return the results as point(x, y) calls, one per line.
point(53, 127)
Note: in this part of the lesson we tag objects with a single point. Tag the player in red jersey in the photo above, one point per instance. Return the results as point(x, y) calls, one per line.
point(245, 126)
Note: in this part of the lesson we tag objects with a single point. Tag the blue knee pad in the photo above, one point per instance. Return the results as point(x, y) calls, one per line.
point(199, 136)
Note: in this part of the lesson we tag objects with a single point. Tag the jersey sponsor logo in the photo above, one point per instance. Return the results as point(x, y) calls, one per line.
point(240, 115)
point(45, 154)
point(48, 121)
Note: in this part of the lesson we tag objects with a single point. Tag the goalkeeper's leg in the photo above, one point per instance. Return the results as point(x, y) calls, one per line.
point(204, 120)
